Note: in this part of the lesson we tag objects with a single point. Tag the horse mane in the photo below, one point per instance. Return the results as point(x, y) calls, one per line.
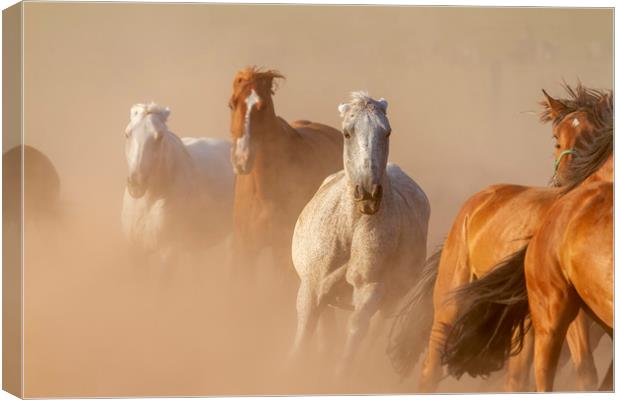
point(140, 110)
point(253, 74)
point(598, 104)
point(361, 101)
point(591, 154)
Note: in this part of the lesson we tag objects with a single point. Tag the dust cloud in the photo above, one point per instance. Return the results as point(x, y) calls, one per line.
point(463, 86)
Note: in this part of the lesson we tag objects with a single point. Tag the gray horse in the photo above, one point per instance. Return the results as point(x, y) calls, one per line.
point(360, 243)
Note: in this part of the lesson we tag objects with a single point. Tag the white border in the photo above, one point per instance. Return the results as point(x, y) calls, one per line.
point(505, 3)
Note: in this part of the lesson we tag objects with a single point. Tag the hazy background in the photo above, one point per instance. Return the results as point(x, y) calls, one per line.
point(462, 85)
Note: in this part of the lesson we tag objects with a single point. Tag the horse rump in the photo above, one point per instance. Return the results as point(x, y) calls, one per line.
point(491, 324)
point(413, 322)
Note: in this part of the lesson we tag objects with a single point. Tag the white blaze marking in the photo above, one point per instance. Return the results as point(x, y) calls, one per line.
point(242, 148)
point(575, 122)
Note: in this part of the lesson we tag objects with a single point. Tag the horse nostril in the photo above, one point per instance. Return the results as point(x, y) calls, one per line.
point(358, 194)
point(377, 191)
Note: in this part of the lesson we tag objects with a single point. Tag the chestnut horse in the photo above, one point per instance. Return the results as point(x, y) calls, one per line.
point(490, 226)
point(566, 267)
point(278, 169)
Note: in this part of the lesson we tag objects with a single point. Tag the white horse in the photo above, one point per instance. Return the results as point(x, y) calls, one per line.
point(178, 198)
point(360, 243)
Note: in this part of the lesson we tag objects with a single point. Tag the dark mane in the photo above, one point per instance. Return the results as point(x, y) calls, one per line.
point(598, 104)
point(591, 153)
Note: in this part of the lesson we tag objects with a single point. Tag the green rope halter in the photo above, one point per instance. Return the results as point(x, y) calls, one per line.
point(563, 153)
point(566, 152)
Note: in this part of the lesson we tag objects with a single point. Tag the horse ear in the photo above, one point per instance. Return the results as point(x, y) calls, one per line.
point(165, 113)
point(554, 108)
point(384, 104)
point(343, 108)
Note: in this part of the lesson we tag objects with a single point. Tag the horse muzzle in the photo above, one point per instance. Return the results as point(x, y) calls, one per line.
point(368, 202)
point(135, 189)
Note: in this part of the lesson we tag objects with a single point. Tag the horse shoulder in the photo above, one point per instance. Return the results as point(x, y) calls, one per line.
point(408, 190)
point(318, 235)
point(328, 194)
point(331, 179)
point(586, 248)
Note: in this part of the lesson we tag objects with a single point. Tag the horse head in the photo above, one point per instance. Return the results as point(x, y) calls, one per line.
point(251, 106)
point(580, 116)
point(143, 142)
point(366, 131)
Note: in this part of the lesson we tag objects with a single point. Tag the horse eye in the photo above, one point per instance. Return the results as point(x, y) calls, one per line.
point(347, 134)
point(557, 146)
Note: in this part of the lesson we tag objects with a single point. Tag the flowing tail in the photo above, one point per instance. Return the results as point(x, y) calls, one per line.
point(412, 326)
point(492, 324)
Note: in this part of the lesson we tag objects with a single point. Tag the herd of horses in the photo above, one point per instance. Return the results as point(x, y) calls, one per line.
point(353, 227)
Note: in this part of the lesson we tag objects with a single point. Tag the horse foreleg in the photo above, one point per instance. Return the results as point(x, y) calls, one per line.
point(327, 332)
point(366, 301)
point(307, 317)
point(519, 366)
point(578, 339)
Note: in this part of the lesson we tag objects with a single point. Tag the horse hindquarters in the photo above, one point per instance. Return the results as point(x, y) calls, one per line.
point(553, 305)
point(578, 339)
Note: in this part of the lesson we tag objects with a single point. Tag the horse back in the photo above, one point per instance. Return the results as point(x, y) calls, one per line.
point(315, 153)
point(211, 159)
point(499, 220)
point(320, 137)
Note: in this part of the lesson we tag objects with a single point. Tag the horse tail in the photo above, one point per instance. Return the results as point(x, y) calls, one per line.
point(492, 324)
point(412, 325)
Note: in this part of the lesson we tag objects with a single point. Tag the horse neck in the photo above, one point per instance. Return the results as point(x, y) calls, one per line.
point(275, 139)
point(604, 174)
point(175, 167)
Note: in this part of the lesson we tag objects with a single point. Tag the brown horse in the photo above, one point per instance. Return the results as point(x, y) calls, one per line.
point(41, 184)
point(569, 263)
point(490, 226)
point(566, 267)
point(278, 169)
